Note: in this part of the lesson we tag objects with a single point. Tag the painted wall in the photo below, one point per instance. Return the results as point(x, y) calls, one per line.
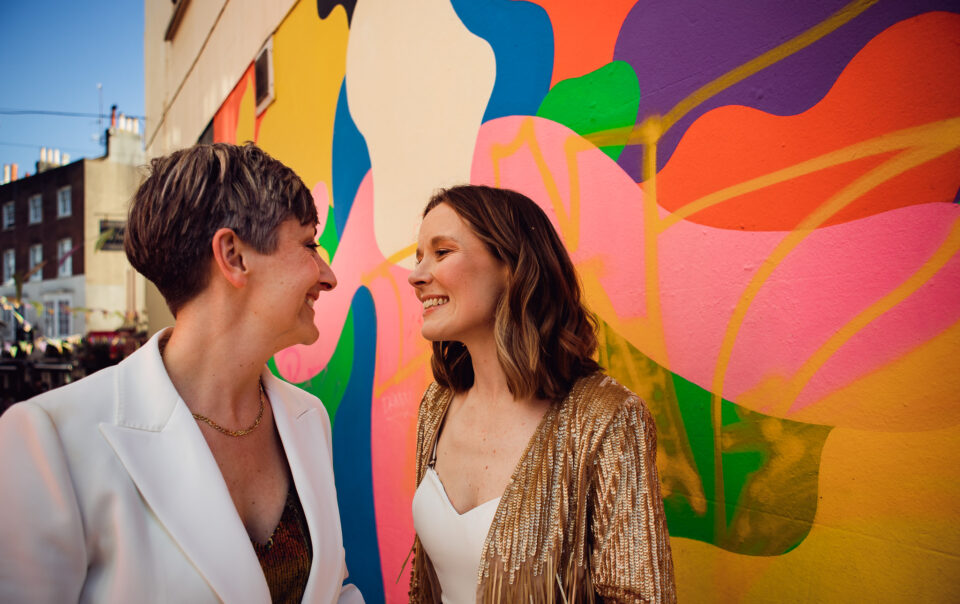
point(762, 202)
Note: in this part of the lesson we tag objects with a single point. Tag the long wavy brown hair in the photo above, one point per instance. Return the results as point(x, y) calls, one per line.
point(545, 336)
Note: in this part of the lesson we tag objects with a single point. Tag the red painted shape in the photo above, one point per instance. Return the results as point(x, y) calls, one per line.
point(227, 117)
point(584, 34)
point(905, 77)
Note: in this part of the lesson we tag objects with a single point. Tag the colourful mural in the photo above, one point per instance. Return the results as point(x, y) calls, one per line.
point(762, 202)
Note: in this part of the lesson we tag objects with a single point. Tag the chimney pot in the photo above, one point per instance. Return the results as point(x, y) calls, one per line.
point(66, 159)
point(13, 171)
point(6, 173)
point(56, 157)
point(113, 116)
point(43, 154)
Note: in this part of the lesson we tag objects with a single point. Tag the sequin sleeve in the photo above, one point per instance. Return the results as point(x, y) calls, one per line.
point(630, 553)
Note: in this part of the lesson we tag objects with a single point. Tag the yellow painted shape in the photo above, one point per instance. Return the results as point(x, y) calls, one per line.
point(887, 529)
point(309, 62)
point(918, 391)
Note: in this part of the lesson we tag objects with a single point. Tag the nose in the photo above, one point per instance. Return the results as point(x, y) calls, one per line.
point(326, 277)
point(419, 275)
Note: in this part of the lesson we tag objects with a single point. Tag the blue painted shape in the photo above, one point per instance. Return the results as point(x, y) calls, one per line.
point(521, 37)
point(352, 463)
point(351, 162)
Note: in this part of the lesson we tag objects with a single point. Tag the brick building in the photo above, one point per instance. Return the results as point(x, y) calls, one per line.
point(56, 216)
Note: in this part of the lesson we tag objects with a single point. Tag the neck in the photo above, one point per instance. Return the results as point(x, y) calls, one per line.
point(489, 380)
point(214, 360)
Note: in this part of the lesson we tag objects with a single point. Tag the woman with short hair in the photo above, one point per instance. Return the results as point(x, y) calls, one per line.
point(536, 473)
point(188, 473)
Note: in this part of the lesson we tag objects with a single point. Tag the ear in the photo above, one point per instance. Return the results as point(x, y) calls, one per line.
point(228, 251)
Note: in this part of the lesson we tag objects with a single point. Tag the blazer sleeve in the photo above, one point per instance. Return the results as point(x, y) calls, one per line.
point(42, 552)
point(630, 557)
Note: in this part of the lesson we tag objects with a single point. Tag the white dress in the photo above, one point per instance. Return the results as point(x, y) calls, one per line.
point(453, 541)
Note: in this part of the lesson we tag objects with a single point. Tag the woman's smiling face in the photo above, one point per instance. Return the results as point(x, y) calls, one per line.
point(457, 279)
point(290, 280)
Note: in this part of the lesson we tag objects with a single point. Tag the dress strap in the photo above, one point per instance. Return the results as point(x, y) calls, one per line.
point(433, 454)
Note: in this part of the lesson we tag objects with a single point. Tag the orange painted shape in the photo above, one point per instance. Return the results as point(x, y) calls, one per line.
point(227, 118)
point(891, 85)
point(584, 34)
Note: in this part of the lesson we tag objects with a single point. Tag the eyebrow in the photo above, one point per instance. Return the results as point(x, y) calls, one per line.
point(433, 242)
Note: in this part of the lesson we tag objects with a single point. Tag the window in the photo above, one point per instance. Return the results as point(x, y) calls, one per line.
point(64, 257)
point(57, 317)
point(8, 217)
point(9, 329)
point(36, 257)
point(9, 264)
point(263, 77)
point(49, 319)
point(35, 204)
point(63, 317)
point(64, 202)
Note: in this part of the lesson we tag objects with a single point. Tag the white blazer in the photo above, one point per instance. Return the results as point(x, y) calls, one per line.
point(109, 493)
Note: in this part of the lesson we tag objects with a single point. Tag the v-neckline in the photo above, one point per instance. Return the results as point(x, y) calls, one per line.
point(443, 492)
point(552, 409)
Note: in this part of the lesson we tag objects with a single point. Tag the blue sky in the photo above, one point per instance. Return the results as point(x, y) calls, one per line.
point(53, 55)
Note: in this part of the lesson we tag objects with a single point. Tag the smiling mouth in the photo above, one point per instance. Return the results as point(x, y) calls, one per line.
point(431, 302)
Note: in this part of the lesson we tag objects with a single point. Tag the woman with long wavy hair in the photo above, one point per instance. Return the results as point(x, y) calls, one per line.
point(536, 473)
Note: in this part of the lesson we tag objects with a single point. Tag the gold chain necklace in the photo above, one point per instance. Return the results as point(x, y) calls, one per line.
point(234, 433)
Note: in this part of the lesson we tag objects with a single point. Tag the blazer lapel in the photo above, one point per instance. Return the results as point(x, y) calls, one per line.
point(305, 434)
point(161, 447)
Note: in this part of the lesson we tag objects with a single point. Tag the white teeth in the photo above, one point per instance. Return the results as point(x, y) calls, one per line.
point(310, 301)
point(431, 302)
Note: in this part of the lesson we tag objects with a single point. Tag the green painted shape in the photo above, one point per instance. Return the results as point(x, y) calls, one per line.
point(328, 239)
point(605, 99)
point(330, 384)
point(770, 465)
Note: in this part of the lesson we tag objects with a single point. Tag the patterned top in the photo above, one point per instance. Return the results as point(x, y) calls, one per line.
point(286, 557)
point(581, 518)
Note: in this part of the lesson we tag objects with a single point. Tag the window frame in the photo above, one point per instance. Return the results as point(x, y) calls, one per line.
point(9, 212)
point(12, 254)
point(37, 276)
point(60, 213)
point(64, 268)
point(38, 198)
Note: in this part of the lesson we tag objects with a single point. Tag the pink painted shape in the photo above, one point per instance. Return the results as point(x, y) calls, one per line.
point(611, 204)
point(321, 199)
point(400, 362)
point(834, 274)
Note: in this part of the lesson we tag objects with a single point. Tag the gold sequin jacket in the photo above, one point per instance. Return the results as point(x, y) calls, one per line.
point(581, 519)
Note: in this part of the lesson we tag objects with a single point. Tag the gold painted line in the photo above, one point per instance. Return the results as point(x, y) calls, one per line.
point(886, 143)
point(634, 136)
point(836, 20)
point(946, 251)
point(402, 373)
point(889, 169)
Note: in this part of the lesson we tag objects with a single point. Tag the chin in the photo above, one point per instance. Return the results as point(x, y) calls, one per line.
point(310, 338)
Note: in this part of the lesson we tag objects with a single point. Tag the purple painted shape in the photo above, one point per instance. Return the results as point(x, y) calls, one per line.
point(677, 46)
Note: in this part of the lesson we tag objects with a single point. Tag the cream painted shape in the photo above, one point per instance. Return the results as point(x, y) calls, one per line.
point(418, 83)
